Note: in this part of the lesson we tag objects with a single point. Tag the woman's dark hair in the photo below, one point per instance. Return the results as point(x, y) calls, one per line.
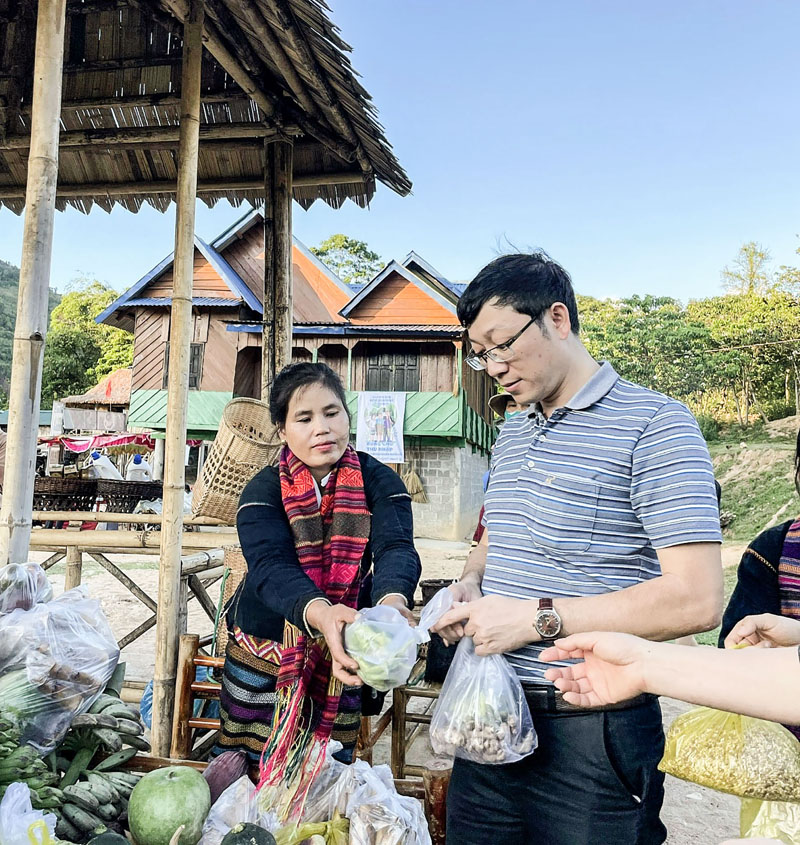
point(294, 376)
point(527, 282)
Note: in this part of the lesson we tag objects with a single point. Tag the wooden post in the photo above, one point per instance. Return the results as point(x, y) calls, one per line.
point(436, 783)
point(276, 349)
point(181, 746)
point(34, 281)
point(158, 460)
point(349, 385)
point(169, 572)
point(74, 567)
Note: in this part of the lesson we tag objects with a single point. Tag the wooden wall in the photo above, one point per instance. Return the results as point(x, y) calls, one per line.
point(207, 281)
point(243, 256)
point(219, 357)
point(437, 366)
point(478, 389)
point(150, 337)
point(397, 300)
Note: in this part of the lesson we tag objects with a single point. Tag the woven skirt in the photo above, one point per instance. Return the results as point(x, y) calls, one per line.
point(247, 703)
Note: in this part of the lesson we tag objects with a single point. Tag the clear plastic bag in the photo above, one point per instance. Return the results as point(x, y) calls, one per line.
point(336, 831)
point(20, 824)
point(237, 804)
point(748, 757)
point(55, 660)
point(22, 585)
point(384, 645)
point(482, 714)
point(383, 824)
point(442, 601)
point(779, 820)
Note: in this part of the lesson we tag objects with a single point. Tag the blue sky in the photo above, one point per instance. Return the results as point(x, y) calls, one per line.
point(639, 143)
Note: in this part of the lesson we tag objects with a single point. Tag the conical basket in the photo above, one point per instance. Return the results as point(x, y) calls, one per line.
point(246, 442)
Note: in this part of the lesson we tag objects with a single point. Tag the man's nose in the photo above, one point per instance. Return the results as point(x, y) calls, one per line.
point(496, 368)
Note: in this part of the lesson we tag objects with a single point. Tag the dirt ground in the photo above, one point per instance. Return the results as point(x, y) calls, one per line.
point(693, 815)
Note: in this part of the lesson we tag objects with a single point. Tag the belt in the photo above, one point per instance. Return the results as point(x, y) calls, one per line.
point(545, 698)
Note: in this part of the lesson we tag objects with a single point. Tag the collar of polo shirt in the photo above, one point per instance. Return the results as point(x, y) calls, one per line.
point(593, 391)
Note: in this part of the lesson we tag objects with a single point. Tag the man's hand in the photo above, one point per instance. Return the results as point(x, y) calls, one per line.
point(399, 604)
point(329, 620)
point(612, 668)
point(496, 624)
point(765, 631)
point(466, 590)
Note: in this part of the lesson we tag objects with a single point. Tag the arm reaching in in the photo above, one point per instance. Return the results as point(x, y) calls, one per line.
point(617, 667)
point(466, 589)
point(765, 630)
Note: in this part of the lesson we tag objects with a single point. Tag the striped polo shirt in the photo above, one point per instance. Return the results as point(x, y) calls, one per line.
point(578, 504)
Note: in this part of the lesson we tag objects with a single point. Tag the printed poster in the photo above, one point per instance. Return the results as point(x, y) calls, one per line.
point(379, 430)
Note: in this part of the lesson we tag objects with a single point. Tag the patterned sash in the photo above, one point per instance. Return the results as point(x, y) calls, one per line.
point(330, 539)
point(789, 581)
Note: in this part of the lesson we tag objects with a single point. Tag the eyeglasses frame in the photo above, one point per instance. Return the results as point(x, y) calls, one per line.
point(480, 359)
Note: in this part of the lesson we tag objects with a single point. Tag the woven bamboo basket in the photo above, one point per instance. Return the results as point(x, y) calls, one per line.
point(236, 565)
point(54, 493)
point(246, 442)
point(123, 496)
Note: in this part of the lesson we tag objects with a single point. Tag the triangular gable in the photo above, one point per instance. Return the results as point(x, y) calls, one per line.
point(398, 296)
point(417, 264)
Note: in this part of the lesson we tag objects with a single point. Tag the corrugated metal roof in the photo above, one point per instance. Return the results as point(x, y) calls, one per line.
point(206, 301)
point(356, 330)
point(45, 418)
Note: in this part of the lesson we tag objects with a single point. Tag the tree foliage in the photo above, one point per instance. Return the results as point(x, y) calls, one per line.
point(750, 271)
point(9, 282)
point(352, 260)
point(79, 351)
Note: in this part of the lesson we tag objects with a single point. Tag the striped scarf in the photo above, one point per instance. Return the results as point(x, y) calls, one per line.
point(330, 539)
point(789, 581)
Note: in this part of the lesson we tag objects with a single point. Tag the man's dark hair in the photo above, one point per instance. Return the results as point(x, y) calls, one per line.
point(294, 376)
point(527, 282)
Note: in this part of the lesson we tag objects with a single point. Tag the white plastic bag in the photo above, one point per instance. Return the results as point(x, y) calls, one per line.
point(20, 824)
point(236, 805)
point(55, 660)
point(384, 645)
point(482, 714)
point(442, 601)
point(22, 585)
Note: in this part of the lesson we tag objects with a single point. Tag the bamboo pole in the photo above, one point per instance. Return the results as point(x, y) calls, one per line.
point(34, 281)
point(74, 568)
point(276, 341)
point(169, 586)
point(126, 518)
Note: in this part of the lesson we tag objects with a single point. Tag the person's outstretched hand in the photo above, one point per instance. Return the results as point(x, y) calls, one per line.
point(329, 620)
point(399, 604)
point(612, 668)
point(466, 590)
point(765, 631)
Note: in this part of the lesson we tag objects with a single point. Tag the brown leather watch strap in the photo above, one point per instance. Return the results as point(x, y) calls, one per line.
point(545, 604)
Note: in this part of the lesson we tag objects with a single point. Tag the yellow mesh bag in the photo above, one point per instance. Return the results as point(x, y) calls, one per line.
point(751, 758)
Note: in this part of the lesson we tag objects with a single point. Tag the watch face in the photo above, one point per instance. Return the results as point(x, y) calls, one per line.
point(548, 623)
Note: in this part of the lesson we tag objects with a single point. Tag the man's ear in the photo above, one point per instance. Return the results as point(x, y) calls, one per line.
point(562, 324)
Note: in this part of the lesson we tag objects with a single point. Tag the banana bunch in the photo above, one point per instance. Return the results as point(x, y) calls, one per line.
point(110, 724)
point(21, 763)
point(95, 803)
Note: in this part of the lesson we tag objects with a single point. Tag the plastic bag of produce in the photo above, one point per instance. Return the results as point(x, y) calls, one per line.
point(22, 585)
point(751, 758)
point(381, 824)
point(237, 804)
point(336, 831)
point(441, 602)
point(20, 824)
point(777, 820)
point(65, 654)
point(384, 645)
point(482, 714)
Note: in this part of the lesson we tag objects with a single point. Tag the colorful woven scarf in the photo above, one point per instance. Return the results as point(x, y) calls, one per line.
point(330, 539)
point(789, 581)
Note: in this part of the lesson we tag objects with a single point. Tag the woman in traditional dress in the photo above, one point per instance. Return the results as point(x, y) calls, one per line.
point(325, 532)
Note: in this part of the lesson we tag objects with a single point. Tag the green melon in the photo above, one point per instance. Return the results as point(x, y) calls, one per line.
point(165, 799)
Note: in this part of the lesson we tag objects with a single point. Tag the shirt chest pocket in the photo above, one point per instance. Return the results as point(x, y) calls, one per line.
point(564, 513)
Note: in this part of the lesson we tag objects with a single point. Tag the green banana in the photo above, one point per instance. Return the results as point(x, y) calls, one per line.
point(80, 818)
point(66, 830)
point(121, 711)
point(137, 742)
point(109, 738)
point(103, 701)
point(108, 812)
point(94, 720)
point(112, 761)
point(129, 727)
point(100, 788)
point(81, 796)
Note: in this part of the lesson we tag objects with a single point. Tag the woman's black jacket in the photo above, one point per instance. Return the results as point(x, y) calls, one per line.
point(277, 589)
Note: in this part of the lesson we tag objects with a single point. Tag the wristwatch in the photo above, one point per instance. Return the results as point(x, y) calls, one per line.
point(547, 622)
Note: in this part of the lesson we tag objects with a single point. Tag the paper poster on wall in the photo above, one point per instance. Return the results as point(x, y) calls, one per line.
point(379, 431)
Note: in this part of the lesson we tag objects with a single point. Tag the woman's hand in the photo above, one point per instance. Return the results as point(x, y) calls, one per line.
point(329, 620)
point(399, 604)
point(612, 668)
point(765, 631)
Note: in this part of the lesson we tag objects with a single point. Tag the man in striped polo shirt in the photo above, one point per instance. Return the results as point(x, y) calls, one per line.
point(601, 514)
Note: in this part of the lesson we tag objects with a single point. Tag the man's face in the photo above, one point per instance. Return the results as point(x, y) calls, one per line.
point(536, 367)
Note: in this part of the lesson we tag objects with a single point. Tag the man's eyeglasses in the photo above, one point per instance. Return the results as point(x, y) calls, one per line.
point(500, 353)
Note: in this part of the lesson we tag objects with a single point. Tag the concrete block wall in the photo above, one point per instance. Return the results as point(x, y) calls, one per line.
point(453, 481)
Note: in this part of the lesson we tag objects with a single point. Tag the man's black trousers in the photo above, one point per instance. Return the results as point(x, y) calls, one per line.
point(593, 780)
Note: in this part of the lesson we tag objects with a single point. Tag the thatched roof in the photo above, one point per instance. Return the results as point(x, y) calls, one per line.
point(120, 104)
point(114, 389)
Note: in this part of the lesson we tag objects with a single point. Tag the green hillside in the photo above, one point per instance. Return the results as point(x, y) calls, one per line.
point(9, 280)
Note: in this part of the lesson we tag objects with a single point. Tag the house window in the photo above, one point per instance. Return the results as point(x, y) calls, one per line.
point(195, 365)
point(393, 367)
